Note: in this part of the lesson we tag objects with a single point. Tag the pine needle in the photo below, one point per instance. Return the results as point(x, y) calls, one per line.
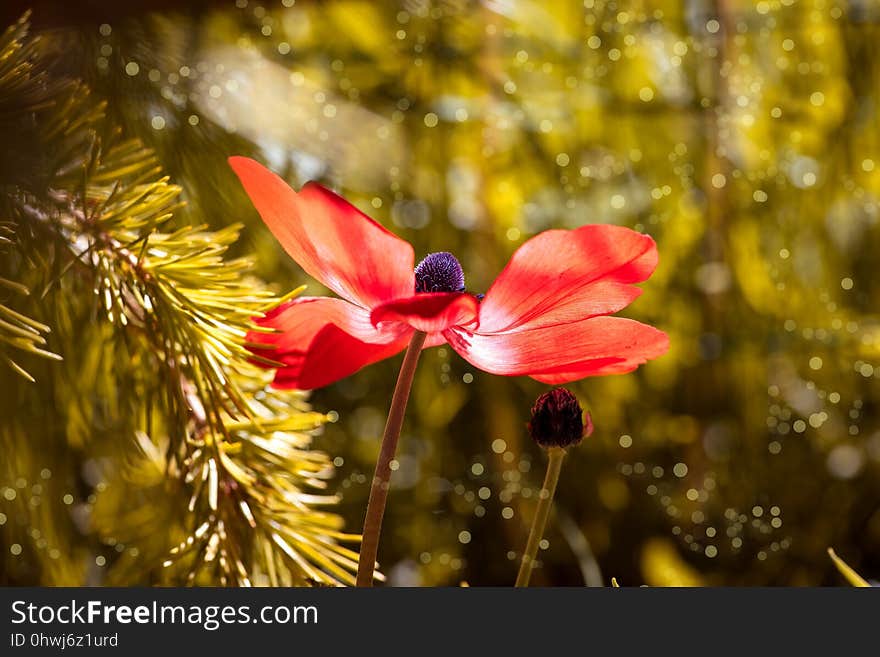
point(851, 575)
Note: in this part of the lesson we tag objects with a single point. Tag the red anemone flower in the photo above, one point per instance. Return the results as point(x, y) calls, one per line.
point(545, 316)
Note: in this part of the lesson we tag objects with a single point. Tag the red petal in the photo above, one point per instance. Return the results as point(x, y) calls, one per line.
point(329, 238)
point(332, 355)
point(322, 340)
point(429, 312)
point(300, 319)
point(564, 352)
point(562, 276)
point(434, 340)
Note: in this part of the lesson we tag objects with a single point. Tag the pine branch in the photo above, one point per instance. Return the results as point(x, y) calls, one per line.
point(20, 90)
point(210, 429)
point(17, 330)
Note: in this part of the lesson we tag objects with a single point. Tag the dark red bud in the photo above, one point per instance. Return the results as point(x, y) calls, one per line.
point(558, 420)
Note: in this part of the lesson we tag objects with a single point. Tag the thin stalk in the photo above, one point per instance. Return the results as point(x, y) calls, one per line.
point(382, 476)
point(539, 523)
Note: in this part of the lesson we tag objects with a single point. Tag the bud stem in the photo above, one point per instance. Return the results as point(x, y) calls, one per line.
point(539, 523)
point(382, 476)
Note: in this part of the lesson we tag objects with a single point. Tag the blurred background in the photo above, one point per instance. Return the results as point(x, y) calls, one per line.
point(743, 136)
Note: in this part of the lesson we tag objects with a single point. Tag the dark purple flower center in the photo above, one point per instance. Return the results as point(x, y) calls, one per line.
point(557, 419)
point(439, 272)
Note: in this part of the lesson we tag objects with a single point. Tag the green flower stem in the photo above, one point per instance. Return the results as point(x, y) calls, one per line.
point(539, 523)
point(382, 476)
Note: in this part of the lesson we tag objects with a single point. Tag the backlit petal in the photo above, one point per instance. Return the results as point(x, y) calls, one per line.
point(598, 367)
point(300, 319)
point(562, 276)
point(564, 352)
point(434, 340)
point(329, 238)
point(332, 355)
point(429, 312)
point(321, 340)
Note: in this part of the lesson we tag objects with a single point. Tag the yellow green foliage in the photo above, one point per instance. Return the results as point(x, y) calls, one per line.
point(743, 136)
point(154, 452)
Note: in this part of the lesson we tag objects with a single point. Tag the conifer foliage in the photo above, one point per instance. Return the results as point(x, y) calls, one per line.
point(127, 387)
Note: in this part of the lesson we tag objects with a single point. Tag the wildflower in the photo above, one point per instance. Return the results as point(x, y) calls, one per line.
point(545, 316)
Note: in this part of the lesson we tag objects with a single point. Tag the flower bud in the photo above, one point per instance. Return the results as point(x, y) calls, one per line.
point(558, 420)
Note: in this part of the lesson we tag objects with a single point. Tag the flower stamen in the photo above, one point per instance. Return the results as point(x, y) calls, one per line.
point(439, 272)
